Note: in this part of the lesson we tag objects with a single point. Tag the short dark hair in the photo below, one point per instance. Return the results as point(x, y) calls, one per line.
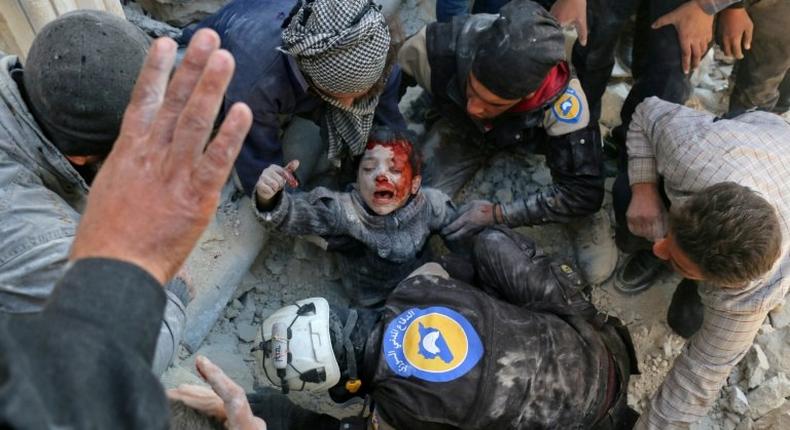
point(183, 417)
point(395, 137)
point(731, 232)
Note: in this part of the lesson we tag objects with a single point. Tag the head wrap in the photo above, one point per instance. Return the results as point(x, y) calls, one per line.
point(341, 46)
point(518, 50)
point(79, 76)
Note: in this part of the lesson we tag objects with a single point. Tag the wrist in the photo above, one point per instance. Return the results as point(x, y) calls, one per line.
point(499, 217)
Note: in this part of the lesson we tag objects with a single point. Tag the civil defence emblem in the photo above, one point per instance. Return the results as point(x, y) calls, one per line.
point(568, 107)
point(435, 344)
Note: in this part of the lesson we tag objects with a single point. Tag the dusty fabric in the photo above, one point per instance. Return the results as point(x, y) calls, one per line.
point(376, 251)
point(691, 151)
point(712, 7)
point(75, 93)
point(342, 47)
point(41, 197)
point(537, 369)
point(77, 364)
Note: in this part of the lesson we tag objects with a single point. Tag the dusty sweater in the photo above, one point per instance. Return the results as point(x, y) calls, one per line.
point(376, 251)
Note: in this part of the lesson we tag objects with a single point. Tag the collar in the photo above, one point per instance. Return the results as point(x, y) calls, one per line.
point(294, 71)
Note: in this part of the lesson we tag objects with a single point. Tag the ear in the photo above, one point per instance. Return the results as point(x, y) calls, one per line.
point(416, 181)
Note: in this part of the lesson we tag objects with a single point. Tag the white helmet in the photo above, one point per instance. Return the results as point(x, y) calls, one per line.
point(295, 347)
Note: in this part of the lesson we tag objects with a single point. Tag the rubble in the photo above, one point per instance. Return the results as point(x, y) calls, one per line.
point(181, 13)
point(756, 365)
point(768, 396)
point(737, 401)
point(780, 316)
point(135, 14)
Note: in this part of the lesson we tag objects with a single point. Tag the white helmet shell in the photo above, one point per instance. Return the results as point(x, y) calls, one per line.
point(309, 346)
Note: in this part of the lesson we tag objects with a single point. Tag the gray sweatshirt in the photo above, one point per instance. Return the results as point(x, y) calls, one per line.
point(376, 251)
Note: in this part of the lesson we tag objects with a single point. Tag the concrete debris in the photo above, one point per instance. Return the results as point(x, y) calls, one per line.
point(135, 14)
point(746, 424)
point(246, 330)
point(777, 419)
point(233, 309)
point(780, 315)
point(776, 346)
point(181, 13)
point(768, 396)
point(756, 366)
point(736, 401)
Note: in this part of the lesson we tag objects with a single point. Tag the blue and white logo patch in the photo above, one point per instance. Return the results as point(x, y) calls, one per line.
point(568, 107)
point(435, 344)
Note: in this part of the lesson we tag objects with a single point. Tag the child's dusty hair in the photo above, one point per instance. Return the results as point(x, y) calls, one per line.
point(403, 139)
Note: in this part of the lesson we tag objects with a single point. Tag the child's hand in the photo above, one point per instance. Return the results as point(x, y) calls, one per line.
point(273, 180)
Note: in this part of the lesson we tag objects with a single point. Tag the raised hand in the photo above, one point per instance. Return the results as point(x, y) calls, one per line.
point(273, 180)
point(160, 185)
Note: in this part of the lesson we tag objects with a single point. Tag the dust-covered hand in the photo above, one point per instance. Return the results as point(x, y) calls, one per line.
point(225, 400)
point(735, 32)
point(273, 180)
point(472, 217)
point(646, 214)
point(160, 185)
point(695, 31)
point(572, 12)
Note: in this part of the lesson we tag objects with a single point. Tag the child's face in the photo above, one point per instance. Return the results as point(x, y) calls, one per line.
point(385, 179)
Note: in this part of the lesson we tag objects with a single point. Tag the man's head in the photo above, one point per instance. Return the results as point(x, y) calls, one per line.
point(341, 46)
point(389, 171)
point(513, 57)
point(79, 76)
point(725, 234)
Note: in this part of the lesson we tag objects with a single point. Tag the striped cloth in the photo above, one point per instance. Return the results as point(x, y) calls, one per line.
point(691, 152)
point(341, 46)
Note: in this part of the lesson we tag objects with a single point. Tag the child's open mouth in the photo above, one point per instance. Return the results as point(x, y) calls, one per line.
point(383, 195)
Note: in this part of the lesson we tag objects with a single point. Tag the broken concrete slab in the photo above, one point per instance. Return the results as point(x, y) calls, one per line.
point(756, 366)
point(737, 401)
point(218, 263)
point(780, 315)
point(776, 345)
point(181, 13)
point(777, 419)
point(768, 396)
point(135, 14)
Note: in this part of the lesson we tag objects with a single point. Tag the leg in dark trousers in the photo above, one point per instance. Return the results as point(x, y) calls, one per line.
point(762, 72)
point(657, 67)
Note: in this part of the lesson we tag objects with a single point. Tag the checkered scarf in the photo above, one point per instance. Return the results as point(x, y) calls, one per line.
point(341, 46)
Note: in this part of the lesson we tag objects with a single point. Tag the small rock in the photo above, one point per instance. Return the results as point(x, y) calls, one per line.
point(780, 315)
point(777, 419)
point(246, 331)
point(768, 396)
point(542, 177)
point(706, 423)
point(776, 346)
point(746, 424)
point(275, 264)
point(504, 195)
point(736, 401)
point(756, 366)
point(233, 310)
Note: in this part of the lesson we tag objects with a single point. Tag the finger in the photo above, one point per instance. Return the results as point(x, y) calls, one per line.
point(686, 57)
point(292, 166)
point(265, 191)
point(663, 21)
point(747, 38)
point(288, 177)
point(726, 46)
point(736, 46)
point(183, 83)
point(274, 182)
point(454, 226)
point(149, 90)
point(215, 164)
point(697, 51)
point(581, 29)
point(225, 387)
point(197, 118)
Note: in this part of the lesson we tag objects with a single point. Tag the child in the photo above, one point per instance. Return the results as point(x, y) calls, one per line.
point(379, 227)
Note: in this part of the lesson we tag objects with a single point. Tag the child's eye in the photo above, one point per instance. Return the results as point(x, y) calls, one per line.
point(367, 169)
point(396, 171)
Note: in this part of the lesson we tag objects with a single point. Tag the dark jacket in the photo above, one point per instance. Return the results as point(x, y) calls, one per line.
point(449, 355)
point(84, 362)
point(270, 81)
point(571, 145)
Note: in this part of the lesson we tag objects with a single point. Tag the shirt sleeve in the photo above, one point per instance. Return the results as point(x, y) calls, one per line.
point(319, 212)
point(699, 372)
point(387, 112)
point(442, 208)
point(712, 7)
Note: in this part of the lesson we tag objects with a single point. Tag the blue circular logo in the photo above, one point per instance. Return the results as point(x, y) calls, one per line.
point(435, 344)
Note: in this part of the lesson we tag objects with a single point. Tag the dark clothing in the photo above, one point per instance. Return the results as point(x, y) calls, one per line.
point(543, 363)
point(571, 146)
point(447, 9)
point(271, 83)
point(762, 77)
point(84, 362)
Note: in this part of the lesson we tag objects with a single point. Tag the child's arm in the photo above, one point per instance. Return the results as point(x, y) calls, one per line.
point(443, 211)
point(319, 211)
